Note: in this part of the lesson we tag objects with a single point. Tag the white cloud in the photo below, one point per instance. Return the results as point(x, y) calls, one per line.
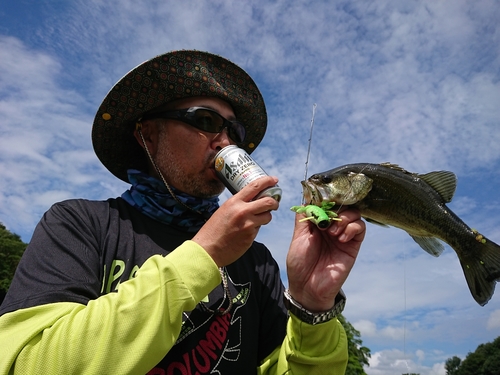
point(366, 328)
point(396, 362)
point(414, 83)
point(45, 148)
point(494, 320)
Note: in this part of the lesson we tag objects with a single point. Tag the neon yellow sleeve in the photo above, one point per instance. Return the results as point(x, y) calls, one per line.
point(308, 349)
point(125, 332)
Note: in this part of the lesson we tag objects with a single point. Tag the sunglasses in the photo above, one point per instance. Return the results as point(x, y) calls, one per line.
point(203, 119)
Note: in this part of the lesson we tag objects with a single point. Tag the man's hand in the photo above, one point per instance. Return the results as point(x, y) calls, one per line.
point(229, 233)
point(319, 261)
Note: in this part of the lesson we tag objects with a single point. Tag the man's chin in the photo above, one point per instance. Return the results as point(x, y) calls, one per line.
point(211, 190)
point(218, 190)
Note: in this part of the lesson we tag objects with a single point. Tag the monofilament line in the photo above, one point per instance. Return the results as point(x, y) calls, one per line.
point(309, 144)
point(405, 313)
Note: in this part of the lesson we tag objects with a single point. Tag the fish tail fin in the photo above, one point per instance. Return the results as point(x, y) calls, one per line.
point(482, 269)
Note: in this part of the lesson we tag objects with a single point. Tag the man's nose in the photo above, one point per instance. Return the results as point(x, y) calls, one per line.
point(221, 140)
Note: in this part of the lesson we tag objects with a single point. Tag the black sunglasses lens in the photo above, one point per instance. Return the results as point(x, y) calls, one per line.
point(207, 120)
point(213, 122)
point(236, 131)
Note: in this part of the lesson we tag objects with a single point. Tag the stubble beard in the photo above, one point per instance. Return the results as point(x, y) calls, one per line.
point(195, 184)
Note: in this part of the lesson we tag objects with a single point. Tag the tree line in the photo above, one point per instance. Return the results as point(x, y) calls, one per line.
point(11, 250)
point(485, 360)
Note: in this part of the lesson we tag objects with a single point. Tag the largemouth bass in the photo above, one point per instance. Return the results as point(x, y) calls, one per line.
point(386, 194)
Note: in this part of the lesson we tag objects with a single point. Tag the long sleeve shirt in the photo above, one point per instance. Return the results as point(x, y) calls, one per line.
point(104, 289)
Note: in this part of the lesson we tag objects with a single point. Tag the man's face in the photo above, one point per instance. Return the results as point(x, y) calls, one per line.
point(185, 154)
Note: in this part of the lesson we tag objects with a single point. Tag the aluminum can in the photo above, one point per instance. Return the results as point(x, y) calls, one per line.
point(236, 169)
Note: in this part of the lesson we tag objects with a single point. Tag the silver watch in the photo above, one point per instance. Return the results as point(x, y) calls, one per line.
point(314, 318)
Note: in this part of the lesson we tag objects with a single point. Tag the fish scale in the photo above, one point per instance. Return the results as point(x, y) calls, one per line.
point(388, 195)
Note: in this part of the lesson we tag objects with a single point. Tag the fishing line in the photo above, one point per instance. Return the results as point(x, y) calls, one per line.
point(309, 145)
point(404, 313)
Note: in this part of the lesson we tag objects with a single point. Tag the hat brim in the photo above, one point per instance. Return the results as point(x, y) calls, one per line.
point(167, 77)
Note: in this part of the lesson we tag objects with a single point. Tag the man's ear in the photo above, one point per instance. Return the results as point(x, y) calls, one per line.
point(146, 134)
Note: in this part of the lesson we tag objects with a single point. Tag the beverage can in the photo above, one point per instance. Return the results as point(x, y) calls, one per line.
point(236, 169)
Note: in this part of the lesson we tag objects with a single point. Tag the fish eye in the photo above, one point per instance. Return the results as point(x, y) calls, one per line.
point(326, 179)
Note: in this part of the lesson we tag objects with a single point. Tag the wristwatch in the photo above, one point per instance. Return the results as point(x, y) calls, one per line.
point(314, 318)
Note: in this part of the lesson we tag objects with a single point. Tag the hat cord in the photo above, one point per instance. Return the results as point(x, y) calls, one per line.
point(225, 284)
point(161, 175)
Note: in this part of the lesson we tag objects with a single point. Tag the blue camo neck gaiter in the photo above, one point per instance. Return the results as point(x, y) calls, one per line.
point(150, 196)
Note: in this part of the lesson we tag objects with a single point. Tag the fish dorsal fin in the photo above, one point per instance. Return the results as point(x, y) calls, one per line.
point(396, 167)
point(444, 182)
point(429, 244)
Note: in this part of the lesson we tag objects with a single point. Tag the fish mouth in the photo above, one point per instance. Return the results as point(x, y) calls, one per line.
point(342, 191)
point(313, 194)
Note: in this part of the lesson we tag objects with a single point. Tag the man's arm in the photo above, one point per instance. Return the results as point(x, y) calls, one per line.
point(308, 349)
point(129, 331)
point(318, 264)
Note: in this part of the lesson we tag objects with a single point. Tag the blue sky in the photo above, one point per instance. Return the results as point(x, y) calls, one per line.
point(416, 83)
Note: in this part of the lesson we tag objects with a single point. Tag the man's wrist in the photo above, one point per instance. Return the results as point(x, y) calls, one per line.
point(314, 317)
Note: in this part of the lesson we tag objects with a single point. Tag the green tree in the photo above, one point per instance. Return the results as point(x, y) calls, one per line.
point(358, 354)
point(485, 360)
point(451, 365)
point(11, 249)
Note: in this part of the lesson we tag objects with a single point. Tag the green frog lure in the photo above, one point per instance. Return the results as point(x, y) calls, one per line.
point(321, 216)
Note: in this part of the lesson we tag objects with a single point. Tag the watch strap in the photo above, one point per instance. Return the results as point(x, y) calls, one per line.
point(311, 317)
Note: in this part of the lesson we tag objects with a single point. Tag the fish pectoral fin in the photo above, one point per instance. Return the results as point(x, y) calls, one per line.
point(444, 182)
point(376, 222)
point(430, 244)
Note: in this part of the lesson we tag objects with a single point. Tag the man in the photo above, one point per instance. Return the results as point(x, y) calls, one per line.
point(162, 280)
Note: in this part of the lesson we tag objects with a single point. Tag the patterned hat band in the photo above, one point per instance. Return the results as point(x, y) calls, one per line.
point(156, 82)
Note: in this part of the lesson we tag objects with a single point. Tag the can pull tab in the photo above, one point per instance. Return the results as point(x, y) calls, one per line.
point(273, 192)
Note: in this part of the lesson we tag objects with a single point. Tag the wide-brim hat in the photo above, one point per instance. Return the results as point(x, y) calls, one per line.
point(173, 75)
